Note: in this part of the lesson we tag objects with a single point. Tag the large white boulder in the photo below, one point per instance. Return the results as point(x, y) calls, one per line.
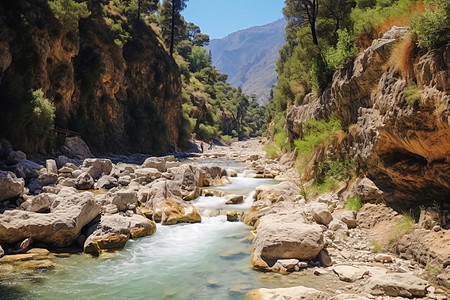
point(70, 211)
point(282, 237)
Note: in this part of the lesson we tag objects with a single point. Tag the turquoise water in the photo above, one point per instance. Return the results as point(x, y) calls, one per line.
point(209, 260)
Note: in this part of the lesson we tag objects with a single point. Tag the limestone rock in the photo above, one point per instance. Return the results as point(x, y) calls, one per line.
point(84, 181)
point(70, 211)
point(76, 147)
point(15, 156)
point(282, 238)
point(397, 284)
point(283, 265)
point(349, 297)
point(155, 163)
point(382, 257)
point(122, 199)
point(50, 164)
point(141, 226)
point(298, 292)
point(367, 190)
point(320, 213)
point(27, 169)
point(371, 214)
point(97, 167)
point(324, 258)
point(167, 207)
point(349, 273)
point(234, 199)
point(106, 182)
point(41, 203)
point(349, 218)
point(149, 174)
point(232, 216)
point(10, 185)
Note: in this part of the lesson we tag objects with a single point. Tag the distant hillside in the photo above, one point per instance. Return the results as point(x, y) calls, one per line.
point(248, 56)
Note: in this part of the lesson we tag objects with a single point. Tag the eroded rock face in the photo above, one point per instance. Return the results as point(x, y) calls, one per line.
point(402, 147)
point(10, 185)
point(70, 211)
point(282, 237)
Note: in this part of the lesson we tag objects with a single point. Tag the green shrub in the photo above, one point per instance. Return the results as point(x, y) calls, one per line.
point(69, 12)
point(328, 184)
point(282, 141)
point(345, 49)
point(206, 132)
point(433, 26)
point(315, 132)
point(353, 203)
point(412, 94)
point(227, 139)
point(376, 247)
point(40, 121)
point(342, 169)
point(271, 151)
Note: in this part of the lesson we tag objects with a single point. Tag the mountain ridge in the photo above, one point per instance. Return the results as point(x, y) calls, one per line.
point(249, 57)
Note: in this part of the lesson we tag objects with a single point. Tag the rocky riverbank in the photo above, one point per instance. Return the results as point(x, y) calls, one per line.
point(96, 206)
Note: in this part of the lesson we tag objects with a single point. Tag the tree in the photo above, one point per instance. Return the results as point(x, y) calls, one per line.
point(69, 12)
point(296, 11)
point(172, 23)
point(200, 40)
point(138, 7)
point(198, 59)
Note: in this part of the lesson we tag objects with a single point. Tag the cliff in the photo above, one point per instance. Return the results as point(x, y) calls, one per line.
point(118, 98)
point(402, 146)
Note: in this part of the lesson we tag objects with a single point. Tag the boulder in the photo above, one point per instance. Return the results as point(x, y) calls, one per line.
point(269, 199)
point(76, 147)
point(10, 185)
point(168, 208)
point(232, 216)
point(50, 164)
point(84, 181)
point(324, 258)
point(366, 190)
point(349, 218)
point(337, 225)
point(97, 167)
point(26, 169)
point(106, 182)
point(284, 265)
point(15, 156)
point(47, 179)
point(141, 226)
point(320, 213)
point(396, 285)
point(124, 180)
point(234, 199)
point(70, 211)
point(298, 292)
point(122, 199)
point(383, 257)
point(112, 232)
point(158, 163)
point(62, 161)
point(349, 273)
point(149, 174)
point(211, 175)
point(41, 203)
point(280, 237)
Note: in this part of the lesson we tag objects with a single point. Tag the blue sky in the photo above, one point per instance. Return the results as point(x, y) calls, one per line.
point(218, 18)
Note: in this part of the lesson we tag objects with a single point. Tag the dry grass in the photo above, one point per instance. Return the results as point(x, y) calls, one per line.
point(404, 55)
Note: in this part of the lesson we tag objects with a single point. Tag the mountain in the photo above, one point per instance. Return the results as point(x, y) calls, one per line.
point(249, 56)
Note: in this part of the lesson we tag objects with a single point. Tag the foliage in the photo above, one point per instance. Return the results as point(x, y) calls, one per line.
point(320, 74)
point(327, 184)
point(282, 141)
point(412, 94)
point(206, 132)
point(198, 59)
point(41, 119)
point(271, 151)
point(69, 12)
point(433, 26)
point(228, 139)
point(344, 50)
point(315, 132)
point(342, 169)
point(376, 247)
point(173, 27)
point(353, 203)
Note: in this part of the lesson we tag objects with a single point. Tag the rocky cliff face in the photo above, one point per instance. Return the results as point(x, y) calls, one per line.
point(118, 99)
point(404, 148)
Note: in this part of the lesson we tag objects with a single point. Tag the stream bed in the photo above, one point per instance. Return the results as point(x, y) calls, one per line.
point(207, 260)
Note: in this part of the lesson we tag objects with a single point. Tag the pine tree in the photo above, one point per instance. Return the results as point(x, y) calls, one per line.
point(173, 27)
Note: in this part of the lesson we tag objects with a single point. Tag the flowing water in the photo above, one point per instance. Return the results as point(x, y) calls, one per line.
point(208, 260)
